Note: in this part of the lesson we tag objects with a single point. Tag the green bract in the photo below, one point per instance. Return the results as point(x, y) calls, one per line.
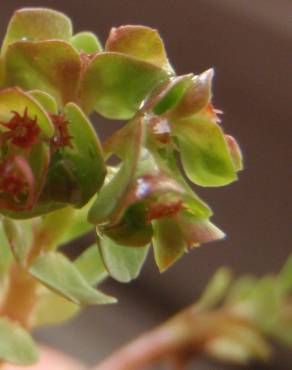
point(55, 183)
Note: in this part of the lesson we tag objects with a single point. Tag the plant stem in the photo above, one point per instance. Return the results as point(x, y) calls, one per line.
point(20, 296)
point(178, 339)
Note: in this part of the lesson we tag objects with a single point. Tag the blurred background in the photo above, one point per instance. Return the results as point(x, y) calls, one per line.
point(249, 45)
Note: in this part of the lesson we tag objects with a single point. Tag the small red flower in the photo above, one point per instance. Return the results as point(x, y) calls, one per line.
point(23, 131)
point(62, 137)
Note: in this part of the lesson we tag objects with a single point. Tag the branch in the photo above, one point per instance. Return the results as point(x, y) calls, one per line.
point(177, 340)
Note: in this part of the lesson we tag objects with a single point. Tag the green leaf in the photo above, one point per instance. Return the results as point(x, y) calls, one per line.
point(171, 94)
point(122, 263)
point(168, 242)
point(195, 205)
point(110, 202)
point(197, 96)
point(115, 85)
point(16, 345)
point(59, 274)
point(140, 42)
point(45, 100)
point(35, 24)
point(20, 237)
point(216, 289)
point(51, 309)
point(198, 230)
point(52, 66)
point(86, 153)
point(86, 42)
point(132, 230)
point(179, 232)
point(14, 99)
point(79, 167)
point(110, 196)
point(205, 154)
point(91, 266)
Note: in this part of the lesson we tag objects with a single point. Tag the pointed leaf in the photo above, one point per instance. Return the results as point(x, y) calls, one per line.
point(53, 308)
point(168, 242)
point(175, 234)
point(16, 345)
point(52, 66)
point(122, 263)
point(59, 274)
point(140, 42)
point(198, 230)
point(86, 42)
point(205, 154)
point(115, 85)
point(197, 96)
point(34, 24)
point(171, 94)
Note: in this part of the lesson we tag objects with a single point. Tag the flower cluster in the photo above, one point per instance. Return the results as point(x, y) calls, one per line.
point(56, 181)
point(51, 157)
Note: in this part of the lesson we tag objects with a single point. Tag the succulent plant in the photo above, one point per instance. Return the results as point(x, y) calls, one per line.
point(56, 182)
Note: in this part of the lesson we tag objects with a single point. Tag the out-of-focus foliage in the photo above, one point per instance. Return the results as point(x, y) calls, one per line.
point(235, 319)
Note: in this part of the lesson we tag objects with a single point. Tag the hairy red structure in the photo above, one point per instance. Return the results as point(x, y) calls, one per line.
point(159, 210)
point(62, 137)
point(23, 131)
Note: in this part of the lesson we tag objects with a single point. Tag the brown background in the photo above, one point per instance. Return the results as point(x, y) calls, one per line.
point(249, 44)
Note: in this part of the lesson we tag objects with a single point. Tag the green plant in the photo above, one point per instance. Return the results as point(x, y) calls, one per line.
point(57, 184)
